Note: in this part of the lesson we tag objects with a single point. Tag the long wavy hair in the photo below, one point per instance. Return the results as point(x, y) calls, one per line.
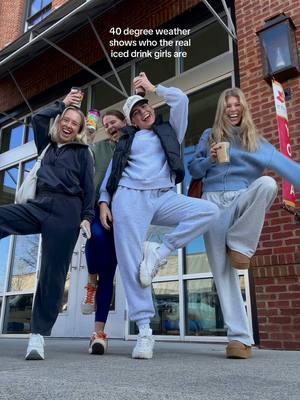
point(80, 137)
point(222, 129)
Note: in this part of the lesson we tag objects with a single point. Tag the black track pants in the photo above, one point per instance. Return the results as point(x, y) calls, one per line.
point(57, 217)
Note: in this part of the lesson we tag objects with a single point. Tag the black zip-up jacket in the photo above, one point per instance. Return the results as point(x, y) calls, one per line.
point(67, 169)
point(169, 143)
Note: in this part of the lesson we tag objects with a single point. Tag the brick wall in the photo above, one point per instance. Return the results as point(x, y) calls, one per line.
point(57, 3)
point(52, 67)
point(276, 267)
point(11, 18)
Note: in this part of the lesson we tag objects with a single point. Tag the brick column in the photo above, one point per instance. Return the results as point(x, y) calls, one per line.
point(276, 267)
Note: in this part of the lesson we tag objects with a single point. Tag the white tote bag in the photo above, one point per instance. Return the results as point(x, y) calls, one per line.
point(28, 188)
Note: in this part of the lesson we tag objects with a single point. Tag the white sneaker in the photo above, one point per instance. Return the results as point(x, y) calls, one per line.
point(35, 348)
point(144, 345)
point(151, 263)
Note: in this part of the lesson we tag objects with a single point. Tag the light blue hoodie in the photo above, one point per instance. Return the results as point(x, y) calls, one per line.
point(244, 167)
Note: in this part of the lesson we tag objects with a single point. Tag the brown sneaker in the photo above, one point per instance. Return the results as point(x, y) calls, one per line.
point(238, 260)
point(236, 349)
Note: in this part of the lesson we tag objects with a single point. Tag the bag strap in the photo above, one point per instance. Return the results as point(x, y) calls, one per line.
point(41, 156)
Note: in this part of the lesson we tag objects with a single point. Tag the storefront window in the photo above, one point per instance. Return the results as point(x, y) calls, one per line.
point(11, 137)
point(157, 70)
point(26, 168)
point(8, 185)
point(104, 96)
point(206, 44)
point(202, 108)
point(29, 136)
point(203, 313)
point(24, 263)
point(18, 314)
point(4, 247)
point(166, 320)
point(166, 303)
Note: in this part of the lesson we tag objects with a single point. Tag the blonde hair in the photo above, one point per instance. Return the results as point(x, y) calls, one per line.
point(80, 137)
point(222, 129)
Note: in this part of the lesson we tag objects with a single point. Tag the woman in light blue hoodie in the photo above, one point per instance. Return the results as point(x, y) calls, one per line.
point(244, 196)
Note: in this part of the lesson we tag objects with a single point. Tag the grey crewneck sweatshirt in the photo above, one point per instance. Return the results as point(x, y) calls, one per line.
point(147, 166)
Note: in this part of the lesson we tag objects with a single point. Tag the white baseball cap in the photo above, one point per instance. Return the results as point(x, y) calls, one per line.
point(130, 103)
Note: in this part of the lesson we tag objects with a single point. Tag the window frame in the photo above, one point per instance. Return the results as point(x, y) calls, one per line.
point(29, 18)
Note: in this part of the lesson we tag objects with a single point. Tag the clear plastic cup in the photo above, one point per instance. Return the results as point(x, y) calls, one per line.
point(223, 152)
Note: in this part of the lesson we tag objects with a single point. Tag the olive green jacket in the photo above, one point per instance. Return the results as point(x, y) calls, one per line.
point(102, 153)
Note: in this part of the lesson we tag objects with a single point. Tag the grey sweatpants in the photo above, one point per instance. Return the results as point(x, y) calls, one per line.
point(133, 212)
point(239, 227)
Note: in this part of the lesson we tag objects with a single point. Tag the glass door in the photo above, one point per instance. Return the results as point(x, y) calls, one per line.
point(71, 322)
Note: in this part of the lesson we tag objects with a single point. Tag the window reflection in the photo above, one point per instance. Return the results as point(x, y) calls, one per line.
point(11, 137)
point(38, 10)
point(203, 312)
point(166, 320)
point(4, 247)
point(202, 109)
point(24, 263)
point(104, 96)
point(29, 135)
point(26, 167)
point(166, 302)
point(199, 51)
point(159, 70)
point(65, 300)
point(18, 314)
point(8, 184)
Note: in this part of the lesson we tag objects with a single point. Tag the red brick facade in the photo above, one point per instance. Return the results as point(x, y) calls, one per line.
point(11, 18)
point(277, 263)
point(42, 73)
point(276, 266)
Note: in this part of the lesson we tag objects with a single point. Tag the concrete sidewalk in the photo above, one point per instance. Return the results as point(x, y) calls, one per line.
point(178, 371)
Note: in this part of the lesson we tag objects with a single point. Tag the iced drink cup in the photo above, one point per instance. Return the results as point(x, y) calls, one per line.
point(75, 90)
point(139, 90)
point(223, 152)
point(92, 120)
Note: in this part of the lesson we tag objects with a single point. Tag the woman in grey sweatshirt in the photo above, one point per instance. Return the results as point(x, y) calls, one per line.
point(244, 196)
point(145, 167)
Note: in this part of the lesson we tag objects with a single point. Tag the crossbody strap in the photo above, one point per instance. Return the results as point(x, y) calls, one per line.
point(41, 156)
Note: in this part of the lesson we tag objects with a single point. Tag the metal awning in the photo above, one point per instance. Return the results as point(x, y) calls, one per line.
point(65, 21)
point(59, 24)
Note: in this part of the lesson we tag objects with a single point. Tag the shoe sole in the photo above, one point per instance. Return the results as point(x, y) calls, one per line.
point(141, 275)
point(34, 355)
point(142, 356)
point(87, 311)
point(97, 348)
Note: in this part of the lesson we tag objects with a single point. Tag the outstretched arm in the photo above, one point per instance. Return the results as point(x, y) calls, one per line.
point(285, 167)
point(175, 98)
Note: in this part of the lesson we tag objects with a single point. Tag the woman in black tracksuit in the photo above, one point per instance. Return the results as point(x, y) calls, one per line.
point(64, 202)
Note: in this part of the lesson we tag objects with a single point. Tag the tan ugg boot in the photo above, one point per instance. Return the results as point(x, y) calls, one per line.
point(236, 349)
point(238, 260)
